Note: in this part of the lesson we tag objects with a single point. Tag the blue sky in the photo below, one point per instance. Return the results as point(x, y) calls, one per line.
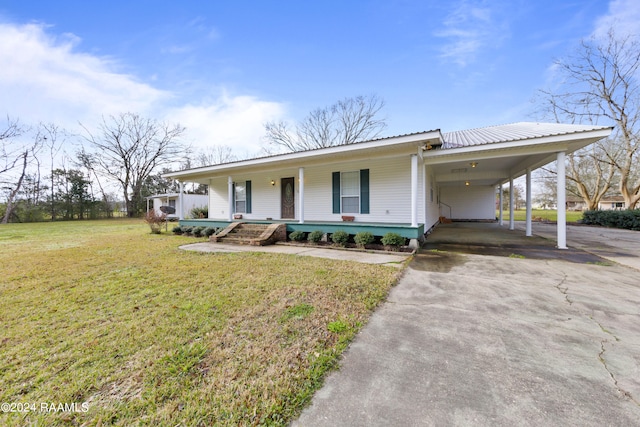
point(224, 68)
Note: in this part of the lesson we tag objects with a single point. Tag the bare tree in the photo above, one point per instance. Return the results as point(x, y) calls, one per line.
point(215, 155)
point(589, 172)
point(601, 84)
point(129, 148)
point(345, 122)
point(15, 158)
point(51, 132)
point(10, 155)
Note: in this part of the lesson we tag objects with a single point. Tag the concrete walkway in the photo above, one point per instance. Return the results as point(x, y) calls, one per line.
point(394, 259)
point(468, 339)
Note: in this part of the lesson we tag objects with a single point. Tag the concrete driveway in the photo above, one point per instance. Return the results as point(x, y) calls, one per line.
point(470, 339)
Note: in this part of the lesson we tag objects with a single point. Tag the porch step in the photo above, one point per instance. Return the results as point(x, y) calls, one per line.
point(251, 234)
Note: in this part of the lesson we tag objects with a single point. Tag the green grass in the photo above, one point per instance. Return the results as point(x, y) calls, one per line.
point(540, 214)
point(106, 313)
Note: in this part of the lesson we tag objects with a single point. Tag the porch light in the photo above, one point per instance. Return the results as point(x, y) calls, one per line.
point(467, 183)
point(273, 182)
point(473, 164)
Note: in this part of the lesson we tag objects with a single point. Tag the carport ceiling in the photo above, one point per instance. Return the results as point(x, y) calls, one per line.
point(488, 171)
point(496, 163)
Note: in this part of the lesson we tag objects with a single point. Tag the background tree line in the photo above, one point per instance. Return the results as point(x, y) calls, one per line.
point(109, 173)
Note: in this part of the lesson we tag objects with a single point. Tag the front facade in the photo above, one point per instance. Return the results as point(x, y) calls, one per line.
point(405, 184)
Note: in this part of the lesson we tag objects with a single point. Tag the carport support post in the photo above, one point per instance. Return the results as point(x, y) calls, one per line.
point(512, 220)
point(528, 233)
point(500, 215)
point(562, 201)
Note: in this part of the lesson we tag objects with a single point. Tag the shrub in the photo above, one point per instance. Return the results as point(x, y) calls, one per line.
point(177, 230)
point(197, 231)
point(363, 238)
point(155, 221)
point(187, 229)
point(393, 239)
point(627, 219)
point(200, 212)
point(315, 236)
point(209, 231)
point(340, 238)
point(297, 235)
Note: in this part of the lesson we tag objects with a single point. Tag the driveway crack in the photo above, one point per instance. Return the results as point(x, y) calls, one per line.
point(564, 290)
point(625, 393)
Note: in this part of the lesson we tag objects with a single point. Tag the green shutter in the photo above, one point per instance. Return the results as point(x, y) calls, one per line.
point(335, 181)
point(364, 191)
point(248, 196)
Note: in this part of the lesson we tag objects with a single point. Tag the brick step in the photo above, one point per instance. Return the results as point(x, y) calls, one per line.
point(251, 234)
point(236, 240)
point(247, 231)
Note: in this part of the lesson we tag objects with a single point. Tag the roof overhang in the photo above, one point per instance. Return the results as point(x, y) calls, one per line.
point(398, 145)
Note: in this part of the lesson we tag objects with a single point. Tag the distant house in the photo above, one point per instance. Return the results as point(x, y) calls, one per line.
point(404, 184)
point(576, 204)
point(172, 200)
point(612, 203)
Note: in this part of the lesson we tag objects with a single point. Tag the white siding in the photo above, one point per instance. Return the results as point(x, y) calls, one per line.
point(469, 202)
point(218, 199)
point(389, 190)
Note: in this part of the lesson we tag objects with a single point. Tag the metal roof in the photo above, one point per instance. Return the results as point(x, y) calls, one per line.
point(511, 132)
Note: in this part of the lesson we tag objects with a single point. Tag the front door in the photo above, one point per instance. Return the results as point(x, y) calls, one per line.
point(287, 198)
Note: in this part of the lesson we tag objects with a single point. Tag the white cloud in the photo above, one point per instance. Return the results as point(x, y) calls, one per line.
point(46, 78)
point(469, 28)
point(623, 16)
point(234, 121)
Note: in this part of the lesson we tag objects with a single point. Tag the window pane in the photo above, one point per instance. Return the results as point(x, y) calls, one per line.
point(241, 193)
point(240, 206)
point(350, 183)
point(351, 205)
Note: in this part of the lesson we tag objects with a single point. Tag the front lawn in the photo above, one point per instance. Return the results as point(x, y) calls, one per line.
point(540, 215)
point(134, 331)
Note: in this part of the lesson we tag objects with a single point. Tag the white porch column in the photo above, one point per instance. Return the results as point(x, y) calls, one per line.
point(528, 232)
point(562, 202)
point(426, 184)
point(414, 190)
point(230, 196)
point(500, 202)
point(180, 201)
point(301, 201)
point(512, 220)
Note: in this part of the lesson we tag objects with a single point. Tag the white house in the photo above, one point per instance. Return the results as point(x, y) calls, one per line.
point(404, 183)
point(173, 200)
point(612, 203)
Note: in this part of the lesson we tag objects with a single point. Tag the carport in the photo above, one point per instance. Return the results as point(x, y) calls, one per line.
point(495, 156)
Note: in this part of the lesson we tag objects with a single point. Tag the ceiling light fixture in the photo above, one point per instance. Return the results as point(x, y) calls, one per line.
point(473, 164)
